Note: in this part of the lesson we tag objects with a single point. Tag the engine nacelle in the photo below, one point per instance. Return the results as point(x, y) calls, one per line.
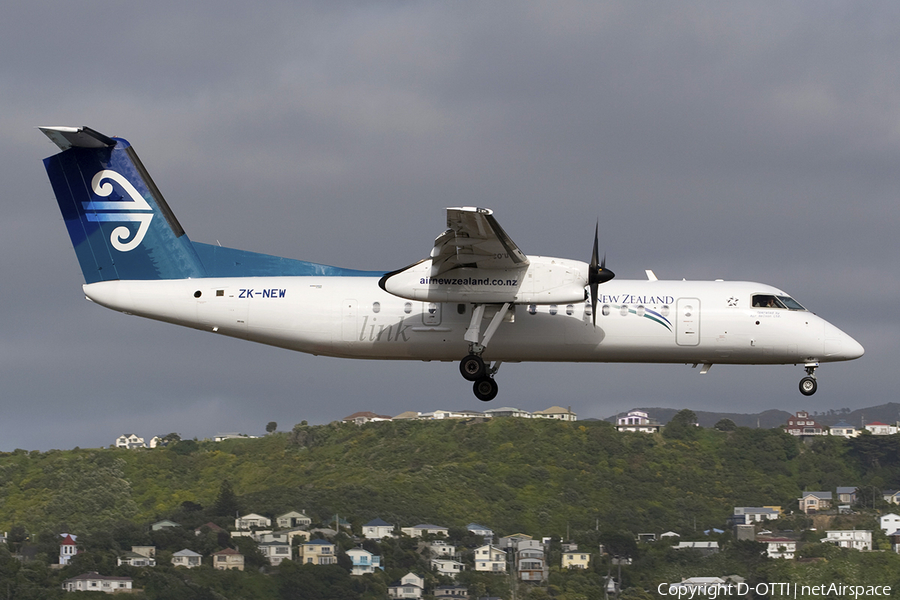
point(545, 280)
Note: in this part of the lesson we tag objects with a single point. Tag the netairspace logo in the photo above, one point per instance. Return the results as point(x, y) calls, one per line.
point(771, 590)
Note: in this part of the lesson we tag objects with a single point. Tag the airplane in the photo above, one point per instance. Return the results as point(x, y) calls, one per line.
point(476, 298)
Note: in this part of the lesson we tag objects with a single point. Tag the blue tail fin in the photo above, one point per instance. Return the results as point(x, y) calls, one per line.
point(119, 223)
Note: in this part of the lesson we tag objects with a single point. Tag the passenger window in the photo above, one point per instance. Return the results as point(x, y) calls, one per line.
point(376, 307)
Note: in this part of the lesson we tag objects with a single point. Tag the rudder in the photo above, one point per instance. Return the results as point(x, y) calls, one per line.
point(120, 225)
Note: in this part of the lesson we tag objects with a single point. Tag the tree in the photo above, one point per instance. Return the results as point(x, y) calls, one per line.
point(271, 427)
point(725, 425)
point(226, 504)
point(683, 426)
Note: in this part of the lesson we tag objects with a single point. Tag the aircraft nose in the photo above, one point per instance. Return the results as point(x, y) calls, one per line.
point(840, 346)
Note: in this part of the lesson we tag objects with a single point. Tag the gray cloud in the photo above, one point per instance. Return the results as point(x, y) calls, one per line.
point(741, 141)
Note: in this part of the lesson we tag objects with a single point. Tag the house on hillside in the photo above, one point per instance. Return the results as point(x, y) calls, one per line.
point(704, 548)
point(812, 502)
point(292, 519)
point(531, 563)
point(556, 412)
point(572, 558)
point(410, 587)
point(318, 552)
point(439, 548)
point(94, 582)
point(452, 592)
point(779, 547)
point(476, 529)
point(377, 528)
point(252, 520)
point(802, 424)
point(846, 494)
point(363, 561)
point(187, 559)
point(856, 539)
point(878, 428)
point(275, 551)
point(490, 559)
point(508, 411)
point(164, 524)
point(140, 556)
point(447, 566)
point(843, 429)
point(747, 515)
point(226, 559)
point(889, 523)
point(891, 496)
point(67, 548)
point(423, 529)
point(361, 418)
point(130, 441)
point(209, 527)
point(639, 421)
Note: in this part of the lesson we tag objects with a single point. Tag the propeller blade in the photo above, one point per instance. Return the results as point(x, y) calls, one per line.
point(597, 272)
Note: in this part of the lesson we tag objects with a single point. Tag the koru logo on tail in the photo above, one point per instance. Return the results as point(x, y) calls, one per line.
point(138, 211)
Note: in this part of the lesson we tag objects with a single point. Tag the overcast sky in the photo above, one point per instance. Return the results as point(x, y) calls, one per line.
point(744, 140)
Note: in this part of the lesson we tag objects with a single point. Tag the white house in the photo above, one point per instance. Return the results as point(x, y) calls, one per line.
point(94, 582)
point(377, 529)
point(878, 428)
point(67, 548)
point(363, 561)
point(856, 539)
point(556, 412)
point(275, 552)
point(747, 515)
point(441, 549)
point(292, 519)
point(130, 440)
point(777, 547)
point(490, 559)
point(420, 530)
point(843, 429)
point(447, 566)
point(135, 559)
point(252, 520)
point(481, 530)
point(410, 587)
point(186, 558)
point(889, 523)
point(639, 421)
point(508, 411)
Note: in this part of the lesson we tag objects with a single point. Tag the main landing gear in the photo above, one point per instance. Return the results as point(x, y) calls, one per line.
point(473, 367)
point(808, 384)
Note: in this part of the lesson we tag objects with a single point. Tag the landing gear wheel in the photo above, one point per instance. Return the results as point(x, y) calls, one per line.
point(808, 386)
point(472, 368)
point(485, 389)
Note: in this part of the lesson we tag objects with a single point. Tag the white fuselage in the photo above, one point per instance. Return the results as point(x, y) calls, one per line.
point(352, 317)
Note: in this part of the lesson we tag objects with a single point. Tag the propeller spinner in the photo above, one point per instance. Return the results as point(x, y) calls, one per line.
point(597, 273)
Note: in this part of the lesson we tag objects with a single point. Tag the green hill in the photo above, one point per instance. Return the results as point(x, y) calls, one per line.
point(536, 476)
point(582, 481)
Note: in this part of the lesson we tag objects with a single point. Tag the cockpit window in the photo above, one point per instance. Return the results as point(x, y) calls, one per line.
point(773, 301)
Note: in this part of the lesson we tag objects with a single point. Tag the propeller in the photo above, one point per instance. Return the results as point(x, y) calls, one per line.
point(597, 272)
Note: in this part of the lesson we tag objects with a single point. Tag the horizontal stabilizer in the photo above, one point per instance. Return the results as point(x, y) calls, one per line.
point(77, 137)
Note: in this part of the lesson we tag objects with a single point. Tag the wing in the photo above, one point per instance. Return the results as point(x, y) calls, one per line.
point(474, 239)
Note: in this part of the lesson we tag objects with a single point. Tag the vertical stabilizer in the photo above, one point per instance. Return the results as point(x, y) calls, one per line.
point(119, 222)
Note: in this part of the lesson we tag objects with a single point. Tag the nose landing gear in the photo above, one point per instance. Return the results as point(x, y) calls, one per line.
point(808, 384)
